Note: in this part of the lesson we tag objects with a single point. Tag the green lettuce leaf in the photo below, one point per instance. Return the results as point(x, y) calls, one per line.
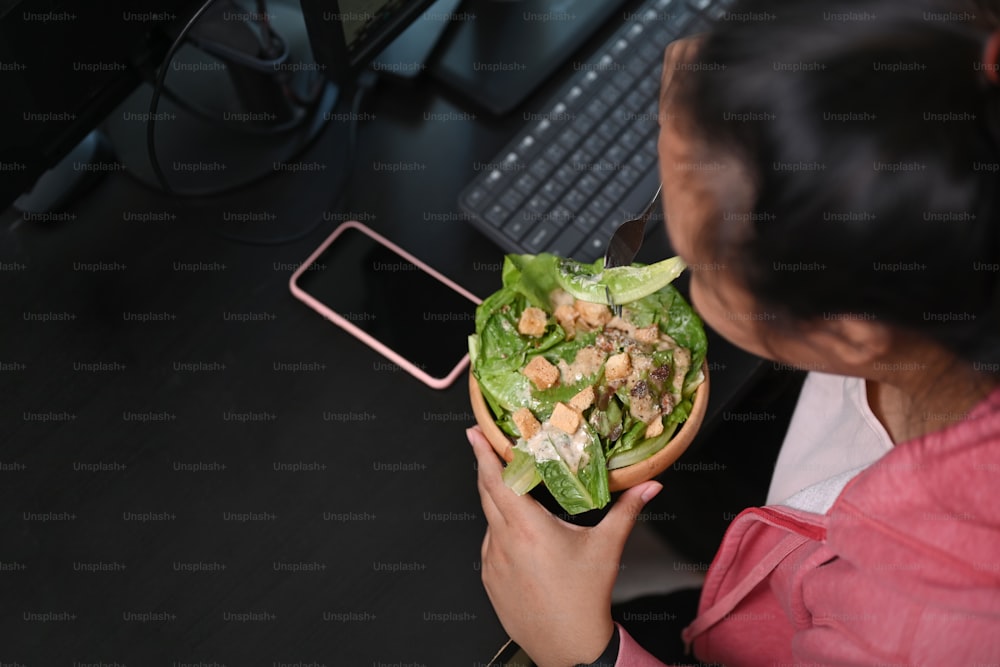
point(623, 284)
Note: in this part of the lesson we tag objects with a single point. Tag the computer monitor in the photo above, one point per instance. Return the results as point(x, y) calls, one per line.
point(70, 67)
point(63, 67)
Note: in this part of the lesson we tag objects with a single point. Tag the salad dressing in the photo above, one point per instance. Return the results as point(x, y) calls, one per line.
point(552, 443)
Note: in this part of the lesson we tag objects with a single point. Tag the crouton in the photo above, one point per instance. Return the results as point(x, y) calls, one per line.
point(560, 297)
point(541, 372)
point(565, 418)
point(566, 317)
point(593, 314)
point(526, 423)
point(583, 400)
point(654, 428)
point(532, 322)
point(648, 334)
point(618, 367)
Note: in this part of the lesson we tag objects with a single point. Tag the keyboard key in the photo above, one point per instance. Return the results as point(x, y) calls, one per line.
point(540, 236)
point(552, 189)
point(623, 81)
point(650, 52)
point(596, 109)
point(637, 67)
point(617, 155)
point(650, 87)
point(608, 130)
point(538, 205)
point(628, 175)
point(629, 140)
point(580, 159)
point(610, 95)
point(527, 145)
point(561, 216)
point(475, 198)
point(588, 184)
point(614, 190)
point(492, 179)
point(555, 153)
point(600, 206)
point(526, 183)
point(604, 169)
point(517, 227)
point(586, 221)
point(566, 174)
point(511, 199)
point(497, 215)
point(584, 123)
point(662, 35)
point(642, 160)
point(575, 200)
point(595, 144)
point(540, 168)
point(569, 138)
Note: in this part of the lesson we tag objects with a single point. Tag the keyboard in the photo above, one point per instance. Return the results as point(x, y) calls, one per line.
point(588, 161)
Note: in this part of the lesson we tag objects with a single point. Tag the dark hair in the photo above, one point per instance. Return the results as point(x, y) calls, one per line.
point(873, 137)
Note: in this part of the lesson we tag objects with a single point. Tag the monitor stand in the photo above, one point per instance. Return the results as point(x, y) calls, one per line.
point(496, 53)
point(254, 125)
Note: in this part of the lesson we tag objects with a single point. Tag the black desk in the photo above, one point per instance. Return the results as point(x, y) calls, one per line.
point(174, 493)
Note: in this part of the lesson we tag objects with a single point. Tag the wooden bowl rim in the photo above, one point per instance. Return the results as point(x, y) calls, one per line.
point(620, 478)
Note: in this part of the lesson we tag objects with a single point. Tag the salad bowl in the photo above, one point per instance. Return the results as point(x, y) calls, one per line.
point(585, 379)
point(619, 479)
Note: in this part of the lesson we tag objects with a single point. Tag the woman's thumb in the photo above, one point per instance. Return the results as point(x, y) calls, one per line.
point(622, 516)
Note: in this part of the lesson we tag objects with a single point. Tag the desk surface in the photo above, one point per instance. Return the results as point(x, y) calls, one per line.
point(198, 469)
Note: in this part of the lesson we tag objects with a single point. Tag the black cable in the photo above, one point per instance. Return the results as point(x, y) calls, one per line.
point(154, 101)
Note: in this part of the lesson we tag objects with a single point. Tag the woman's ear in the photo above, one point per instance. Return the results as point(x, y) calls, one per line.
point(853, 340)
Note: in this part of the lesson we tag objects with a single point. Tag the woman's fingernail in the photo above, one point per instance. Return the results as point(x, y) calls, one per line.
point(650, 491)
point(471, 433)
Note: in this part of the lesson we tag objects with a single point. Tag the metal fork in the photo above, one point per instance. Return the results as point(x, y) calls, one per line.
point(626, 241)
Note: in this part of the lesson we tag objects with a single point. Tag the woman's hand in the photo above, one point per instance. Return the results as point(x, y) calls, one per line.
point(550, 581)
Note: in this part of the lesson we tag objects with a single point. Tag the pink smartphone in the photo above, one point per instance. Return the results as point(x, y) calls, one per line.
point(391, 301)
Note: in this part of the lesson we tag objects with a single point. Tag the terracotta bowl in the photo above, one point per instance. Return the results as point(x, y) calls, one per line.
point(620, 478)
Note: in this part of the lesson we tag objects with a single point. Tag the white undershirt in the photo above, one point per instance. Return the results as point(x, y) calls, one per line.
point(833, 435)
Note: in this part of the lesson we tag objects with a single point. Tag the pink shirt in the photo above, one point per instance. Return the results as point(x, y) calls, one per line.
point(903, 569)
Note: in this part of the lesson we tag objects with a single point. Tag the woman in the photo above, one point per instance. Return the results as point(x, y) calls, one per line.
point(830, 175)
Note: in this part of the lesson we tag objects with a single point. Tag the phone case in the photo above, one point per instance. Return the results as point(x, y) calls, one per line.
point(364, 337)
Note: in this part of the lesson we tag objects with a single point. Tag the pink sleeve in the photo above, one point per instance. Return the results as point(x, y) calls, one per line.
point(630, 654)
